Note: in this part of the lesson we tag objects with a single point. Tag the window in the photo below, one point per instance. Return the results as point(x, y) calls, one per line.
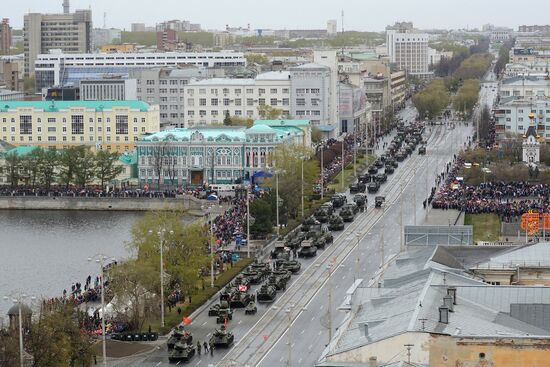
point(300, 101)
point(150, 82)
point(25, 125)
point(202, 91)
point(190, 113)
point(51, 138)
point(273, 101)
point(202, 102)
point(315, 90)
point(285, 90)
point(213, 91)
point(214, 113)
point(261, 91)
point(77, 124)
point(520, 127)
point(50, 120)
point(261, 101)
point(300, 90)
point(249, 90)
point(238, 91)
point(225, 90)
point(238, 102)
point(214, 101)
point(226, 101)
point(191, 102)
point(250, 102)
point(121, 125)
point(273, 91)
point(286, 101)
point(51, 129)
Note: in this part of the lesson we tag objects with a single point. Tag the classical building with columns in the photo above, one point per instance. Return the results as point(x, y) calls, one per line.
point(217, 155)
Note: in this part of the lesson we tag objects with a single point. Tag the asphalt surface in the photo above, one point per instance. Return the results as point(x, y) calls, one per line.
point(357, 252)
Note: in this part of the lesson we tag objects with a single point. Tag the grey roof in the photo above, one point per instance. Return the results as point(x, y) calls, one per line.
point(412, 291)
point(537, 254)
point(311, 66)
point(274, 75)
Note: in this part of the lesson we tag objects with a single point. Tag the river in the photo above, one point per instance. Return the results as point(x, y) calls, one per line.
point(44, 252)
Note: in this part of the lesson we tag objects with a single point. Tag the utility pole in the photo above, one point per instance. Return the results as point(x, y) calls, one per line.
point(322, 172)
point(289, 313)
point(382, 239)
point(414, 195)
point(401, 216)
point(343, 162)
point(247, 223)
point(302, 158)
point(329, 303)
point(357, 275)
point(277, 199)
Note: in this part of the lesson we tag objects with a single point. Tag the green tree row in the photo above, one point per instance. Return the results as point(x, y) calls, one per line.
point(467, 96)
point(75, 165)
point(432, 100)
point(474, 67)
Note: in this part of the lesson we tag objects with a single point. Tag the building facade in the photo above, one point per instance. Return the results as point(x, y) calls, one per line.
point(512, 116)
point(61, 69)
point(534, 28)
point(11, 72)
point(208, 101)
point(108, 90)
point(310, 93)
point(214, 155)
point(11, 95)
point(109, 125)
point(5, 36)
point(165, 87)
point(409, 51)
point(105, 36)
point(353, 109)
point(70, 33)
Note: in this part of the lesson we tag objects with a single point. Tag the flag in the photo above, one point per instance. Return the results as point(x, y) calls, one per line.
point(186, 320)
point(243, 288)
point(225, 323)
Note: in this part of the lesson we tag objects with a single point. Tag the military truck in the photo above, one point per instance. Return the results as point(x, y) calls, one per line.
point(335, 223)
point(338, 200)
point(357, 187)
point(222, 338)
point(361, 201)
point(353, 206)
point(373, 187)
point(347, 214)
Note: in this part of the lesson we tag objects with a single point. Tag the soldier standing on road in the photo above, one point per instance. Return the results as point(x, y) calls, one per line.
point(199, 347)
point(205, 347)
point(211, 349)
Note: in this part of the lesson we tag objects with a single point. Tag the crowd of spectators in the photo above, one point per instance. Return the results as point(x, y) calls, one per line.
point(86, 192)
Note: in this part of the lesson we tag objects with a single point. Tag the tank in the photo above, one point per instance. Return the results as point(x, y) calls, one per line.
point(266, 293)
point(307, 250)
point(335, 223)
point(293, 266)
point(319, 242)
point(284, 274)
point(181, 353)
point(389, 169)
point(381, 177)
point(360, 200)
point(277, 282)
point(422, 150)
point(225, 294)
point(240, 280)
point(253, 276)
point(329, 238)
point(222, 338)
point(321, 215)
point(307, 223)
point(260, 267)
point(372, 170)
point(179, 336)
point(347, 214)
point(239, 299)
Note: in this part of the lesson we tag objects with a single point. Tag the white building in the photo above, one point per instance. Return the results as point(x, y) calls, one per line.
point(531, 146)
point(332, 27)
point(500, 35)
point(409, 51)
point(108, 90)
point(208, 101)
point(512, 116)
point(58, 68)
point(525, 87)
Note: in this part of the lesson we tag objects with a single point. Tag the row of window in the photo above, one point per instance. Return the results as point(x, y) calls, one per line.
point(238, 102)
point(174, 173)
point(249, 113)
point(214, 91)
point(64, 138)
point(53, 120)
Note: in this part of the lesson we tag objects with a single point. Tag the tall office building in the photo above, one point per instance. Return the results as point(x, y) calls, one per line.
point(5, 36)
point(68, 32)
point(409, 50)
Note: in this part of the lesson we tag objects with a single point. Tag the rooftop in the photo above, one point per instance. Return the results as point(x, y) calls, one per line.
point(273, 123)
point(56, 106)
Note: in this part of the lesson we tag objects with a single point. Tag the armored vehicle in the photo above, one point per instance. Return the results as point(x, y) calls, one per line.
point(293, 266)
point(335, 223)
point(357, 187)
point(179, 336)
point(181, 353)
point(366, 178)
point(372, 170)
point(378, 163)
point(347, 214)
point(222, 338)
point(266, 294)
point(328, 207)
point(378, 201)
point(400, 157)
point(307, 223)
point(321, 214)
point(361, 201)
point(353, 206)
point(389, 169)
point(240, 280)
point(338, 200)
point(277, 282)
point(239, 299)
point(250, 308)
point(254, 276)
point(422, 150)
point(381, 177)
point(222, 307)
point(373, 187)
point(307, 250)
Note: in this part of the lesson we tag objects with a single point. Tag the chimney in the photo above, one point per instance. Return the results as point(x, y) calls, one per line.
point(66, 7)
point(451, 291)
point(448, 302)
point(373, 362)
point(443, 315)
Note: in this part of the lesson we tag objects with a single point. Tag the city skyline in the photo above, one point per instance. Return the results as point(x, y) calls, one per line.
point(358, 16)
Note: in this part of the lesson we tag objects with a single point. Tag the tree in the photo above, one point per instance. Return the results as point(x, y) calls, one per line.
point(12, 168)
point(9, 348)
point(267, 112)
point(316, 135)
point(241, 121)
point(57, 340)
point(227, 119)
point(85, 167)
point(256, 59)
point(159, 153)
point(260, 209)
point(467, 96)
point(106, 167)
point(431, 101)
point(68, 162)
point(31, 165)
point(47, 168)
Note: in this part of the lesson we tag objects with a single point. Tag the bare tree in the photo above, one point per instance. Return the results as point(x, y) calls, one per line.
point(159, 153)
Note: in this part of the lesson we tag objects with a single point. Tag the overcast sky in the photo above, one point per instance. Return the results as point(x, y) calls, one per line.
point(297, 14)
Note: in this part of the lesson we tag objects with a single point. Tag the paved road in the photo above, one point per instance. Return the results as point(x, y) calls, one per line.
point(261, 339)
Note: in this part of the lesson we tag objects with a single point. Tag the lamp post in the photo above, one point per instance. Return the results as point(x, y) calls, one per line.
point(100, 259)
point(303, 158)
point(247, 223)
point(161, 233)
point(343, 162)
point(322, 172)
point(329, 268)
point(209, 208)
point(277, 199)
point(18, 300)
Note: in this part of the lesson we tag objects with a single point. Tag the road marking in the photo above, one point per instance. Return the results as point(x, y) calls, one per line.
point(240, 322)
point(300, 361)
point(292, 345)
point(344, 277)
point(310, 346)
point(281, 359)
point(320, 331)
point(158, 364)
point(204, 323)
point(301, 332)
point(313, 318)
point(322, 306)
point(199, 362)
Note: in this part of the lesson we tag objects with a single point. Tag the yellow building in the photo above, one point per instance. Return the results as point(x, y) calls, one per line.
point(109, 49)
point(110, 125)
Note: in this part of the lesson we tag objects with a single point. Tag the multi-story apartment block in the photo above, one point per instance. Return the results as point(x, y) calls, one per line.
point(11, 72)
point(208, 101)
point(165, 87)
point(215, 155)
point(110, 125)
point(409, 51)
point(60, 69)
point(525, 87)
point(534, 28)
point(354, 111)
point(68, 32)
point(5, 36)
point(310, 89)
point(512, 116)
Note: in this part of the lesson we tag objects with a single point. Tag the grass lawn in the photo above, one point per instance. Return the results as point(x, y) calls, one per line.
point(486, 226)
point(348, 174)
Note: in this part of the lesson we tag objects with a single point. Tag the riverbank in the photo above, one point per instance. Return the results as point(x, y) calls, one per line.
point(97, 203)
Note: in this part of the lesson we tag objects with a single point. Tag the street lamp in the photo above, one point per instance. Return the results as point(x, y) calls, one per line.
point(277, 199)
point(303, 158)
point(160, 234)
point(322, 172)
point(100, 259)
point(18, 300)
point(209, 208)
